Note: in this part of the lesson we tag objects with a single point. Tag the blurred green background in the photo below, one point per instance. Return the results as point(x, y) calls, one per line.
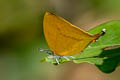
point(21, 35)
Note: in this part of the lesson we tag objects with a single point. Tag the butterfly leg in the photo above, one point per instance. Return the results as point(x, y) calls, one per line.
point(57, 59)
point(72, 57)
point(66, 57)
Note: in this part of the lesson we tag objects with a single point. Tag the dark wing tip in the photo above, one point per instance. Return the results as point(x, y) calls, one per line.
point(49, 13)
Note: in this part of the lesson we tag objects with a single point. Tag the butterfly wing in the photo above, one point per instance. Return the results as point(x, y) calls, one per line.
point(63, 38)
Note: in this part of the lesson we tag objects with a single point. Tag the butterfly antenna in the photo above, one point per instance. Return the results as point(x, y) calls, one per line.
point(46, 51)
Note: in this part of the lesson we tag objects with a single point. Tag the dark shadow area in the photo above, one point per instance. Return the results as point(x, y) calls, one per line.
point(112, 61)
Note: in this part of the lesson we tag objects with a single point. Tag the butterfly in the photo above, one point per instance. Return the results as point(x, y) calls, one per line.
point(64, 38)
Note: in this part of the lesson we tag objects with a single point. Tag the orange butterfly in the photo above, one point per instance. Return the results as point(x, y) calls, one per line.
point(65, 39)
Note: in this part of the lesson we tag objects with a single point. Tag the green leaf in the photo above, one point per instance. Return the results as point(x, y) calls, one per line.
point(109, 58)
point(105, 59)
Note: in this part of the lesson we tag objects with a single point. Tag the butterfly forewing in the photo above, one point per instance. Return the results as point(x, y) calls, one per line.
point(63, 38)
